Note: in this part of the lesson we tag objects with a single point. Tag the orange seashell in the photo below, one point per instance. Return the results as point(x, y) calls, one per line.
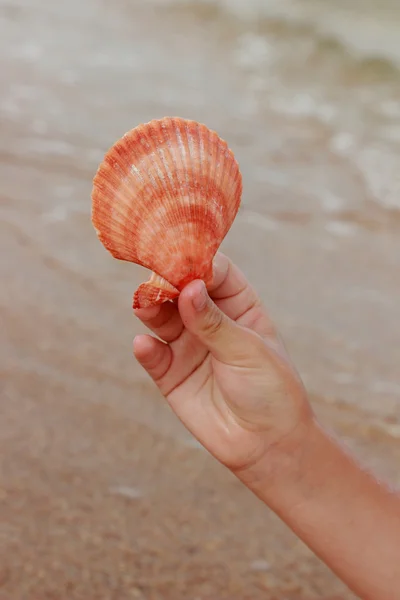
point(165, 197)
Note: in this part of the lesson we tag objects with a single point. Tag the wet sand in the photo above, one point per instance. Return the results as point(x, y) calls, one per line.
point(102, 492)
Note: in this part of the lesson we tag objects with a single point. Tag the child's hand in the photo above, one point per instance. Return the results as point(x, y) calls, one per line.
point(224, 370)
point(226, 375)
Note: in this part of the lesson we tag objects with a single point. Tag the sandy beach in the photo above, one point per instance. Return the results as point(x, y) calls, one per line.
point(103, 494)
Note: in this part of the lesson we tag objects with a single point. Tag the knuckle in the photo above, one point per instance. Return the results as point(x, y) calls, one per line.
point(213, 322)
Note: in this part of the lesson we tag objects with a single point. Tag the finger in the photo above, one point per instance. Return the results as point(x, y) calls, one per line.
point(153, 355)
point(188, 355)
point(225, 282)
point(233, 294)
point(187, 352)
point(225, 339)
point(164, 320)
point(168, 367)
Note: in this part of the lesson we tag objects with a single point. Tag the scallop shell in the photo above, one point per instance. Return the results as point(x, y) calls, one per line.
point(165, 197)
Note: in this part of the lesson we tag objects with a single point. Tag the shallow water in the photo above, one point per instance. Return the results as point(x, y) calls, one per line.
point(308, 96)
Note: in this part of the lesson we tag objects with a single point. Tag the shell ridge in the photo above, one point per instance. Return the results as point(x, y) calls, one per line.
point(178, 199)
point(226, 170)
point(153, 154)
point(150, 190)
point(176, 241)
point(206, 175)
point(191, 190)
point(196, 142)
point(204, 182)
point(123, 189)
point(107, 171)
point(204, 191)
point(180, 167)
point(218, 209)
point(175, 181)
point(233, 177)
point(212, 164)
point(161, 165)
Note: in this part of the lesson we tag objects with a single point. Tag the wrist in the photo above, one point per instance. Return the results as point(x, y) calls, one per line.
point(286, 463)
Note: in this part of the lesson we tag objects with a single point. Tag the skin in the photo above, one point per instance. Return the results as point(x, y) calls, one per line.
point(219, 362)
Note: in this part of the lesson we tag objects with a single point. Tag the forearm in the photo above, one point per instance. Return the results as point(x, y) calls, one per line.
point(349, 519)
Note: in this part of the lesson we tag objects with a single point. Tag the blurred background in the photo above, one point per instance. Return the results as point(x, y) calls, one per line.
point(103, 494)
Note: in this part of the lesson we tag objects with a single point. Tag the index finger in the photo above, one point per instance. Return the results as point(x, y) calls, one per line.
point(234, 295)
point(228, 280)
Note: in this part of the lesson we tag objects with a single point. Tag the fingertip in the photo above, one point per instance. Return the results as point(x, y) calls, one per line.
point(221, 265)
point(146, 314)
point(220, 262)
point(153, 355)
point(143, 345)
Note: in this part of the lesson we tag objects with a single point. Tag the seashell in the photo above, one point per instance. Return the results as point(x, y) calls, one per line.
point(164, 197)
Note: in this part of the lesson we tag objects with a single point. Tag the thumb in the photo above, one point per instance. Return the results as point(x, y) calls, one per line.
point(225, 339)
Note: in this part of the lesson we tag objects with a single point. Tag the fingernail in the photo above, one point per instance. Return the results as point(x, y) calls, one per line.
point(199, 301)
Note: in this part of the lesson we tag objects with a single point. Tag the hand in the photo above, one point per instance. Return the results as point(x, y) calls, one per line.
point(223, 369)
point(226, 375)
